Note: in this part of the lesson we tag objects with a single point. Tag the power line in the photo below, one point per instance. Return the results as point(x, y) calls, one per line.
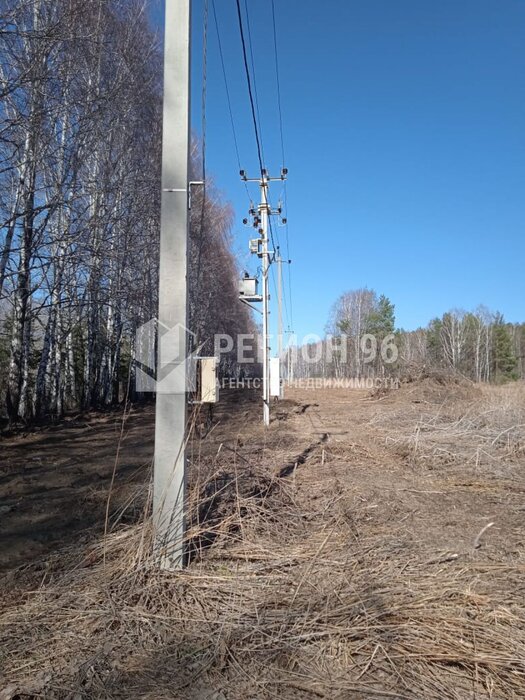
point(253, 74)
point(230, 110)
point(278, 81)
point(279, 105)
point(226, 84)
point(254, 104)
point(248, 79)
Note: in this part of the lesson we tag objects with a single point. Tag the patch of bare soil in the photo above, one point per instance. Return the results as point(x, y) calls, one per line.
point(360, 547)
point(54, 483)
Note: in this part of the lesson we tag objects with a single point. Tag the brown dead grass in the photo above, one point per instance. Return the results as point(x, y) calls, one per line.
point(328, 574)
point(466, 423)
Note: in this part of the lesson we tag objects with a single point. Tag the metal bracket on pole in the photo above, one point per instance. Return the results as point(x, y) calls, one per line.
point(184, 189)
point(251, 307)
point(192, 184)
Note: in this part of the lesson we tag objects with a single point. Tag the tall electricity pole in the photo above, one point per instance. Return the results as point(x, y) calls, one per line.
point(169, 481)
point(290, 355)
point(279, 262)
point(264, 212)
point(261, 223)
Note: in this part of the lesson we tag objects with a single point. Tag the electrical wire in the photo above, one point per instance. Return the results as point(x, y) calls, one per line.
point(236, 143)
point(254, 104)
point(281, 131)
point(250, 91)
point(278, 82)
point(250, 44)
point(227, 90)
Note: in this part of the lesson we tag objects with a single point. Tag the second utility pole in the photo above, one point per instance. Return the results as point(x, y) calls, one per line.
point(279, 262)
point(264, 213)
point(261, 223)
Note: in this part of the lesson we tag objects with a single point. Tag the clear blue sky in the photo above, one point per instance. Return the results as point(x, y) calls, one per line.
point(404, 128)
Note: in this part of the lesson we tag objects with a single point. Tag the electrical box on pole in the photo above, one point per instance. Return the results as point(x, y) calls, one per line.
point(255, 246)
point(207, 385)
point(248, 289)
point(275, 377)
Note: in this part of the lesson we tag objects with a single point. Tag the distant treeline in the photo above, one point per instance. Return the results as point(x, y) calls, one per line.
point(478, 345)
point(80, 157)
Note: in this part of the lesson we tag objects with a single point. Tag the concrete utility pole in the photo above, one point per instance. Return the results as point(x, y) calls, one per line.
point(261, 223)
point(169, 483)
point(290, 355)
point(279, 262)
point(264, 212)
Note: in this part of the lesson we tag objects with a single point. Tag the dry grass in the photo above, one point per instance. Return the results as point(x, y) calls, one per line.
point(466, 423)
point(299, 597)
point(326, 615)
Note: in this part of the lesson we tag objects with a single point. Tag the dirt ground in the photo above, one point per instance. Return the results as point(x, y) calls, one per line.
point(54, 483)
point(363, 546)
